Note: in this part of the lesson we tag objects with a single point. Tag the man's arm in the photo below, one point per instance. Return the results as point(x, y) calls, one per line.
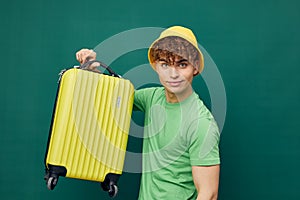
point(206, 180)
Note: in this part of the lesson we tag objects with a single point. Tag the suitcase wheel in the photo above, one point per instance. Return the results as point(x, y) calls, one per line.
point(52, 174)
point(110, 184)
point(113, 190)
point(51, 182)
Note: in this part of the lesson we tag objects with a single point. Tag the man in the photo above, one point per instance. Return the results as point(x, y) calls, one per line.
point(180, 147)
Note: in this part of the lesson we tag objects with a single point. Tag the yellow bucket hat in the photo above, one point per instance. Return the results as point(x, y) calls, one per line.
point(184, 33)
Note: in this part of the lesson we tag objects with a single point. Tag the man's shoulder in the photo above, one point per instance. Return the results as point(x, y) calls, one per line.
point(198, 109)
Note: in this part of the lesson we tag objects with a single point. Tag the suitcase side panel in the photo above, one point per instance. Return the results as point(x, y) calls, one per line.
point(83, 139)
point(61, 110)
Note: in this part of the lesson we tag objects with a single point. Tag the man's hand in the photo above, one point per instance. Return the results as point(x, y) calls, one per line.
point(85, 55)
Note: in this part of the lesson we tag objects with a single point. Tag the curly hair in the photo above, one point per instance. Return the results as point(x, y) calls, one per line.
point(170, 47)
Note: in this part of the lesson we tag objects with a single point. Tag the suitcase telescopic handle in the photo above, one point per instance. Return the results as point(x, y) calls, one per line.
point(88, 63)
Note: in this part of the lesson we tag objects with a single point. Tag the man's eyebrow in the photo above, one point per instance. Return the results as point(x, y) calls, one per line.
point(162, 60)
point(182, 60)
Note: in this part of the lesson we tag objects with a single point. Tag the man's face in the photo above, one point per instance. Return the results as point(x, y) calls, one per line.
point(175, 74)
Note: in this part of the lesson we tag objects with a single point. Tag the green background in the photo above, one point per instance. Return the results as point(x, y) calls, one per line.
point(255, 45)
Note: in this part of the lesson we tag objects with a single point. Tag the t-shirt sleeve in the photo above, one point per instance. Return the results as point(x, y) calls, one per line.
point(204, 143)
point(140, 98)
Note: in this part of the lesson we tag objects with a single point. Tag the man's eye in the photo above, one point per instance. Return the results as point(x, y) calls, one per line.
point(182, 65)
point(165, 65)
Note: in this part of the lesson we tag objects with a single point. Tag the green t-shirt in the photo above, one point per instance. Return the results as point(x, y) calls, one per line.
point(177, 136)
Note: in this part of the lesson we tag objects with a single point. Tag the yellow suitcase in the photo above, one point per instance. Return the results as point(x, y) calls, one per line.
point(89, 128)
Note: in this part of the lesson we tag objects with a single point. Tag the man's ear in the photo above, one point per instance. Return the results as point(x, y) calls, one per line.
point(196, 68)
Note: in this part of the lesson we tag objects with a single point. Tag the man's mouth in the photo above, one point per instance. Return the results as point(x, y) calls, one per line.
point(174, 83)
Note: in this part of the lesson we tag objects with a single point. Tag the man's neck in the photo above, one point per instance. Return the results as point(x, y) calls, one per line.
point(176, 98)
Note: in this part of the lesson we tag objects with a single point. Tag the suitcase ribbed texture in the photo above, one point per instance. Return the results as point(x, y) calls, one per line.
point(91, 123)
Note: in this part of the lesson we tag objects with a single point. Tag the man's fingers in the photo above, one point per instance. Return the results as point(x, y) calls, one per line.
point(85, 55)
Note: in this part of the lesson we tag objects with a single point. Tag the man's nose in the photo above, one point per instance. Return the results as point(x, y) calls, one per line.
point(173, 72)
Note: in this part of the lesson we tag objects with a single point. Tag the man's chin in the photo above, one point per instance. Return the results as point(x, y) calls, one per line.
point(175, 90)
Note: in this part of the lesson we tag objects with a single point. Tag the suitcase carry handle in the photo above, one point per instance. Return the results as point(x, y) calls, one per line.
point(88, 63)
